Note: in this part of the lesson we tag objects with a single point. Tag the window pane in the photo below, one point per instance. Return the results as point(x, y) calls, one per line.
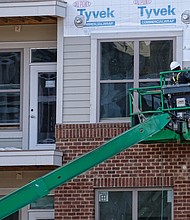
point(10, 69)
point(9, 107)
point(154, 205)
point(117, 60)
point(43, 55)
point(46, 107)
point(155, 56)
point(46, 202)
point(150, 102)
point(114, 100)
point(118, 206)
point(10, 88)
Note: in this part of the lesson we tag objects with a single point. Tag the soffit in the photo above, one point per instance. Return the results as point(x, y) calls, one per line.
point(15, 12)
point(28, 20)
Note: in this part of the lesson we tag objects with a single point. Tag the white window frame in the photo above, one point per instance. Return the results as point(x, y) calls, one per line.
point(20, 90)
point(42, 63)
point(39, 214)
point(134, 198)
point(119, 35)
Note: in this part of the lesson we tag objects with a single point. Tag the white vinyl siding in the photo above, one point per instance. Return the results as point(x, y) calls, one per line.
point(10, 143)
point(76, 80)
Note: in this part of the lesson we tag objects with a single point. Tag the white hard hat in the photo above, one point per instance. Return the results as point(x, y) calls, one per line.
point(174, 65)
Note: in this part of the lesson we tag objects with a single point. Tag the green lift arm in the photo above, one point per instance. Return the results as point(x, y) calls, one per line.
point(43, 185)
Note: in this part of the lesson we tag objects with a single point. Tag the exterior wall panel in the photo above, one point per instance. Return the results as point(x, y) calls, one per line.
point(7, 143)
point(28, 33)
point(76, 81)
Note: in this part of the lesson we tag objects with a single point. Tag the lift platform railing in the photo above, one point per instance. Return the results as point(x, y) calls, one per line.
point(158, 97)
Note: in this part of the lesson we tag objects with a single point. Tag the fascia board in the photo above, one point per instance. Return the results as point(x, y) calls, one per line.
point(31, 158)
point(32, 8)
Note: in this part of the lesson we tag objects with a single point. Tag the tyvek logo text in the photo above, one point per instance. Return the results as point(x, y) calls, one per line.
point(99, 17)
point(156, 15)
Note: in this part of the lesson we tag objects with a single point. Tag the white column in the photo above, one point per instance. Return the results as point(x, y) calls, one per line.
point(60, 69)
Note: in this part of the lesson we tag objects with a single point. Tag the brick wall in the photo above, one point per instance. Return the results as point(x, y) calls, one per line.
point(141, 166)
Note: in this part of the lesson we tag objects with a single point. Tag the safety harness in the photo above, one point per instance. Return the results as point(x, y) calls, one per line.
point(176, 78)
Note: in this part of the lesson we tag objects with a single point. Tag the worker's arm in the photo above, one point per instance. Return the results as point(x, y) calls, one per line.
point(186, 76)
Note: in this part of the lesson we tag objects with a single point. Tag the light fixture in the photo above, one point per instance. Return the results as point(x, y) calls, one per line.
point(79, 21)
point(185, 17)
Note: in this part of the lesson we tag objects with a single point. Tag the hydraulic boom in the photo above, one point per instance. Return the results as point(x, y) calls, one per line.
point(43, 185)
point(162, 114)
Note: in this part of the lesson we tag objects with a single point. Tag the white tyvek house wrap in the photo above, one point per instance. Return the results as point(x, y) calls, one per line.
point(85, 16)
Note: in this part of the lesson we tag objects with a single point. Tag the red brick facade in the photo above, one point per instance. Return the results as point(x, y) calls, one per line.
point(143, 165)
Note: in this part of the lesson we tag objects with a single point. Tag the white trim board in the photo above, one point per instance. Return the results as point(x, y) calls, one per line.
point(32, 8)
point(31, 158)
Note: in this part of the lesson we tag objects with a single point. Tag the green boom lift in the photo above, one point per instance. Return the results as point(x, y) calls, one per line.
point(162, 114)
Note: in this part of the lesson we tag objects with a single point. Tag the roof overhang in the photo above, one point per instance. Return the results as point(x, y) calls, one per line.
point(18, 8)
point(31, 158)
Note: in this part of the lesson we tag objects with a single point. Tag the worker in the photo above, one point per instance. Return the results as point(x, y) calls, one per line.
point(179, 77)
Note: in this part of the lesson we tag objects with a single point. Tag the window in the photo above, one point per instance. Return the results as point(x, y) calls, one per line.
point(117, 206)
point(154, 205)
point(126, 64)
point(42, 209)
point(136, 204)
point(10, 71)
point(43, 55)
point(47, 202)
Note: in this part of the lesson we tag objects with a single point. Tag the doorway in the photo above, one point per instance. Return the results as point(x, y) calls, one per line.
point(42, 107)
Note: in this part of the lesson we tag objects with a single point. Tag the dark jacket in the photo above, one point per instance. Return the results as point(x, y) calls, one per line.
point(181, 78)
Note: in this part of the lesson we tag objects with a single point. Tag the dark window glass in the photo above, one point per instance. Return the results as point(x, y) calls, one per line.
point(46, 202)
point(43, 55)
point(154, 57)
point(10, 107)
point(117, 206)
point(46, 107)
point(154, 205)
point(10, 69)
point(150, 102)
point(117, 75)
point(117, 60)
point(10, 65)
point(114, 100)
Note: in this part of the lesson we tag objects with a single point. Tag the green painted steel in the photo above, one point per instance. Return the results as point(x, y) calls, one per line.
point(42, 186)
point(164, 136)
point(160, 99)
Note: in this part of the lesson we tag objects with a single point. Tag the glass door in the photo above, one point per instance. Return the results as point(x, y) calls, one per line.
point(42, 107)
